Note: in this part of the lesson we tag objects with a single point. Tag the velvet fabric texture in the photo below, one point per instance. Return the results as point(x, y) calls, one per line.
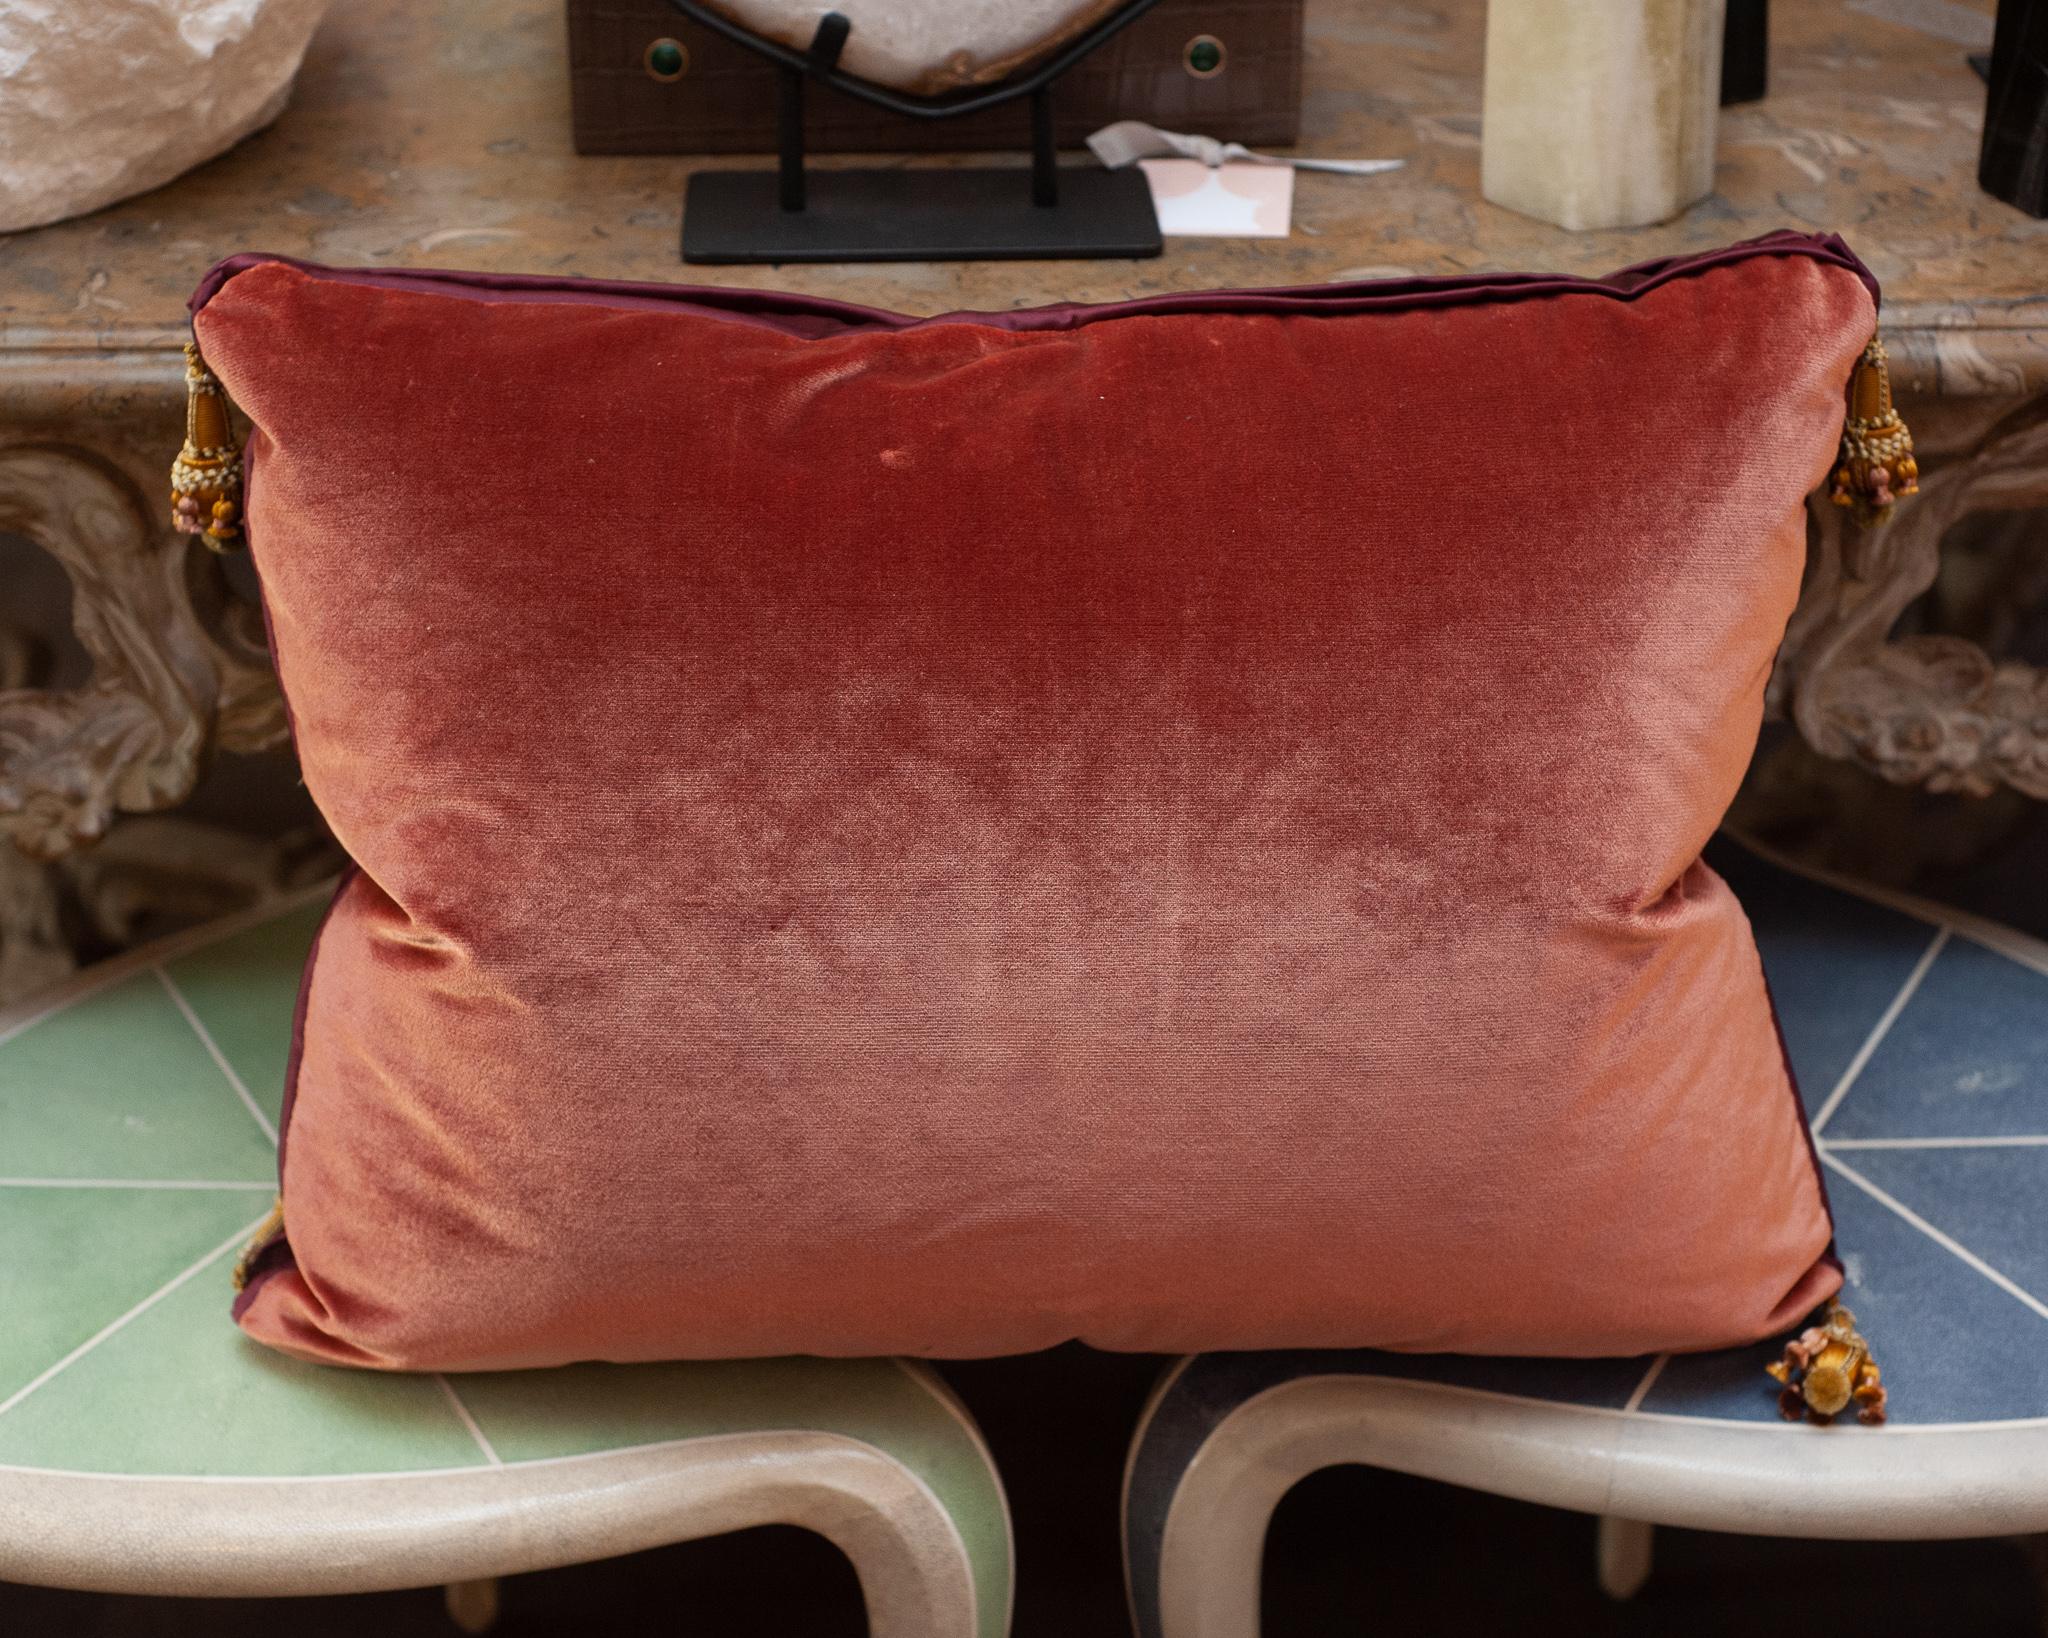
point(1176, 825)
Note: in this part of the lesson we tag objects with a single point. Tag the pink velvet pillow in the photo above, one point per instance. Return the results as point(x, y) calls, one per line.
point(1174, 824)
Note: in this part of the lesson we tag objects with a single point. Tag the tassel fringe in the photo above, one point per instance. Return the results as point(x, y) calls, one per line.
point(206, 478)
point(1826, 1369)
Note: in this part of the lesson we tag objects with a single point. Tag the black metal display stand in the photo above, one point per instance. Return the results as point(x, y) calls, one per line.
point(1745, 52)
point(919, 213)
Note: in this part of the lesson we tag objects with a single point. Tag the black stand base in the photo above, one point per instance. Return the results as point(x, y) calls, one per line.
point(919, 214)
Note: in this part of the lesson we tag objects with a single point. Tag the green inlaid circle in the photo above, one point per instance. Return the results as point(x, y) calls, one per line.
point(1204, 56)
point(667, 59)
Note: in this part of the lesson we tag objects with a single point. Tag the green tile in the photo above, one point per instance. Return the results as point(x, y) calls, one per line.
point(530, 1414)
point(119, 1085)
point(72, 1260)
point(245, 989)
point(181, 1390)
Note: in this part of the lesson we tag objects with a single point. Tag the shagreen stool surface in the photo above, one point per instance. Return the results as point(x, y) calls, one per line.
point(1920, 1039)
point(146, 1446)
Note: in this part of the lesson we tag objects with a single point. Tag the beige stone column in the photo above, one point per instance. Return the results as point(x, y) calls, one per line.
point(1600, 113)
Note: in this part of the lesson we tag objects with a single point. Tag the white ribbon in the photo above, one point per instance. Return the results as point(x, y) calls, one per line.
point(1130, 140)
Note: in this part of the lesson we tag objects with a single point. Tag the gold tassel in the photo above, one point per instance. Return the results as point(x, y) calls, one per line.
point(1825, 1369)
point(206, 478)
point(1876, 465)
point(266, 1231)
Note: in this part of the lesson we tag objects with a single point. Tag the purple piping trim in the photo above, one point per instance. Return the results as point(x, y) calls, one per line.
point(276, 1253)
point(814, 317)
point(1832, 1257)
point(298, 1048)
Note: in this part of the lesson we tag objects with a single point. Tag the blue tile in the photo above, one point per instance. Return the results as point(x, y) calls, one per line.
point(1995, 1201)
point(1968, 1057)
point(1953, 1346)
point(1834, 961)
point(1729, 1384)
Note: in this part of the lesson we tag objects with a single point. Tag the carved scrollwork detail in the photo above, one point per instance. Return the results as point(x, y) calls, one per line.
point(251, 707)
point(1923, 710)
point(1936, 711)
point(133, 738)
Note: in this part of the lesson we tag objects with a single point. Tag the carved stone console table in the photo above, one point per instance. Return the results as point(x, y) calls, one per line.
point(438, 133)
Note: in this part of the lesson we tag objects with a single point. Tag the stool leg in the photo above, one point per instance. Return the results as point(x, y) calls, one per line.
point(1623, 1555)
point(473, 1605)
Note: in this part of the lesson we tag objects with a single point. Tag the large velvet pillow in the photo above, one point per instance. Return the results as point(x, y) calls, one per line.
point(1175, 824)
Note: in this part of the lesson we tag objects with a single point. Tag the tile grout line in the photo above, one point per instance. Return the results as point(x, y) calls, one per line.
point(95, 985)
point(239, 1238)
point(23, 1026)
point(218, 1184)
point(1649, 1381)
point(2027, 1140)
point(462, 1415)
point(213, 1048)
point(1947, 1242)
point(1880, 1030)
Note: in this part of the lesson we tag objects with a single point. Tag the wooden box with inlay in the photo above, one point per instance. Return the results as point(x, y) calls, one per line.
point(644, 79)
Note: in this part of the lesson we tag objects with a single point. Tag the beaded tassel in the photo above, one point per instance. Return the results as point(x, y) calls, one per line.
point(206, 478)
point(259, 1242)
point(1876, 465)
point(1825, 1369)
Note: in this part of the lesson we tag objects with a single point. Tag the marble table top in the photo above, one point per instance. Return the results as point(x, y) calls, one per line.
point(436, 132)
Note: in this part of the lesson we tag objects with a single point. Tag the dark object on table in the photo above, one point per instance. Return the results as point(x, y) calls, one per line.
point(2013, 164)
point(646, 80)
point(916, 214)
point(1745, 52)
